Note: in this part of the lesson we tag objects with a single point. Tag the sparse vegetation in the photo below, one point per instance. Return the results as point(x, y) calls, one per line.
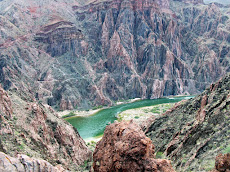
point(22, 146)
point(144, 112)
point(160, 155)
point(159, 109)
point(92, 145)
point(86, 166)
point(69, 115)
point(97, 107)
point(227, 149)
point(15, 118)
point(209, 165)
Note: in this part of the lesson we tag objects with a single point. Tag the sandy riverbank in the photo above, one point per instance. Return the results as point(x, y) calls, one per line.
point(78, 112)
point(127, 101)
point(143, 113)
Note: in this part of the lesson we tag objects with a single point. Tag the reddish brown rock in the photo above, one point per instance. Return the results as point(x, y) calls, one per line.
point(223, 163)
point(201, 112)
point(59, 34)
point(5, 113)
point(124, 147)
point(5, 103)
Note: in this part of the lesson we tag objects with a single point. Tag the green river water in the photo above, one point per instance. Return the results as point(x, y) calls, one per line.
point(92, 126)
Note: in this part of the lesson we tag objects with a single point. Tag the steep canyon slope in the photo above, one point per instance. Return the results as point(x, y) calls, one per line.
point(29, 128)
point(193, 133)
point(82, 54)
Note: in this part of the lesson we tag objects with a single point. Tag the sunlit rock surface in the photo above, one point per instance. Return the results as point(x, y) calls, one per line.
point(124, 147)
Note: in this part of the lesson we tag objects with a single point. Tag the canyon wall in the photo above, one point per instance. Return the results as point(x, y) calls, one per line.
point(35, 130)
point(80, 56)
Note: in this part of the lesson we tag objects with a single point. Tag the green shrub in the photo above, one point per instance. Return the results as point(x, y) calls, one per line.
point(159, 155)
point(15, 118)
point(156, 110)
point(28, 154)
point(22, 146)
point(69, 115)
point(146, 111)
point(97, 107)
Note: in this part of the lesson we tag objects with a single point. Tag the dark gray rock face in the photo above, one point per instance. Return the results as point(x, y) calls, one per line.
point(101, 52)
point(61, 37)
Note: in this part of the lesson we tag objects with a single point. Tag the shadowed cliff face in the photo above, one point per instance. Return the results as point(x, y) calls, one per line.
point(72, 55)
point(195, 131)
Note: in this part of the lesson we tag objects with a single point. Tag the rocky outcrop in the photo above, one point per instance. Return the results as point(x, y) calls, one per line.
point(6, 112)
point(194, 132)
point(5, 104)
point(124, 147)
point(61, 37)
point(222, 163)
point(35, 130)
point(23, 163)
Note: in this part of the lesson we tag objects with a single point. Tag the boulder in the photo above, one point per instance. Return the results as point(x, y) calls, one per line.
point(223, 163)
point(124, 147)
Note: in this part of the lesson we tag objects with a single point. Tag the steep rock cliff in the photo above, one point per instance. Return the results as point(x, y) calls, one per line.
point(196, 130)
